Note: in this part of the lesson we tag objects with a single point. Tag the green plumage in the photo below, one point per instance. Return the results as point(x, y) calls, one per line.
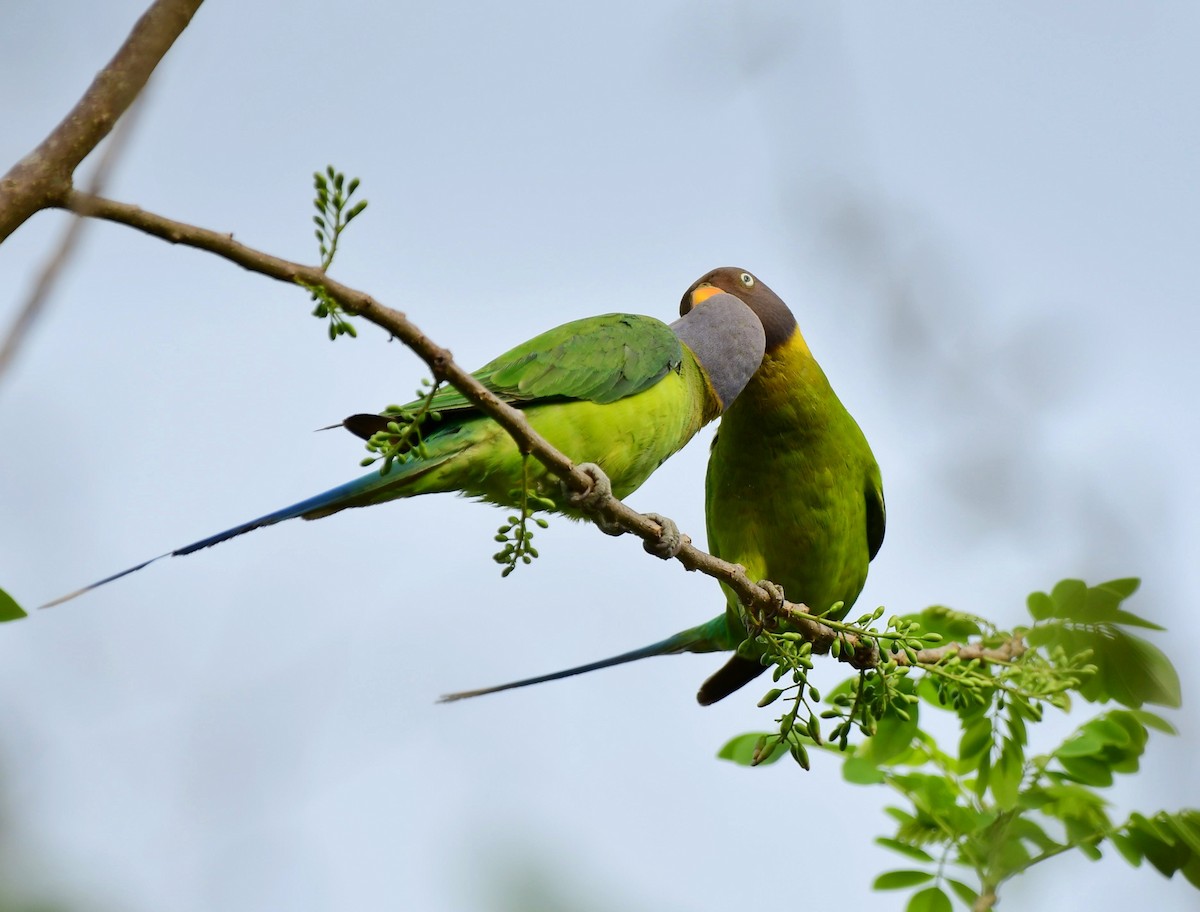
point(618, 390)
point(622, 391)
point(793, 492)
point(600, 359)
point(793, 486)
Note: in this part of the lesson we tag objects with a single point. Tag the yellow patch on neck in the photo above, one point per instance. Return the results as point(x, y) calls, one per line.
point(793, 346)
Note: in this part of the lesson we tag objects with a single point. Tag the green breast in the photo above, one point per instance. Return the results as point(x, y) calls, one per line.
point(629, 438)
point(788, 481)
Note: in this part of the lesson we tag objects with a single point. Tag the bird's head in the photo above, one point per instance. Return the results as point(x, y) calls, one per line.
point(778, 322)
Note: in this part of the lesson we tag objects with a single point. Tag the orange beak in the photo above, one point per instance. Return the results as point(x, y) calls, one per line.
point(698, 295)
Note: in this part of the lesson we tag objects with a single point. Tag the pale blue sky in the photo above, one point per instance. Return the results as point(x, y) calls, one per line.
point(985, 218)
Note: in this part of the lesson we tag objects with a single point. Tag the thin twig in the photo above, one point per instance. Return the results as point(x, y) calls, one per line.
point(43, 177)
point(58, 260)
point(441, 363)
point(1008, 651)
point(858, 652)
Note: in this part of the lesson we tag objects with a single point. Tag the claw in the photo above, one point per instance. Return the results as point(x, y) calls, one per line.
point(593, 500)
point(594, 497)
point(670, 539)
point(774, 590)
point(777, 599)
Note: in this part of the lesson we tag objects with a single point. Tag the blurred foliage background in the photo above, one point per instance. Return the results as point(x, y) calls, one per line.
point(985, 218)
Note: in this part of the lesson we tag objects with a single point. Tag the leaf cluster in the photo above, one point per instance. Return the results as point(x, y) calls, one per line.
point(334, 214)
point(516, 535)
point(981, 811)
point(403, 437)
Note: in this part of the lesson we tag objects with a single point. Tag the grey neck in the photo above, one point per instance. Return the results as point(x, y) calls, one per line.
point(727, 339)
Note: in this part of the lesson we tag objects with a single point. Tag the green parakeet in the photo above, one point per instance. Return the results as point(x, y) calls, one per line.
point(622, 391)
point(793, 492)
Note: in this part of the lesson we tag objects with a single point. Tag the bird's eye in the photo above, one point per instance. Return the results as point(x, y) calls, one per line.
point(747, 280)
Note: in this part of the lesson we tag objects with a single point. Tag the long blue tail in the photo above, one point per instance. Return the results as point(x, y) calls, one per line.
point(352, 494)
point(712, 636)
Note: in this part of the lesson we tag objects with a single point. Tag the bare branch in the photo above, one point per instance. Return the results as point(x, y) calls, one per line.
point(859, 652)
point(1009, 651)
point(43, 177)
point(610, 510)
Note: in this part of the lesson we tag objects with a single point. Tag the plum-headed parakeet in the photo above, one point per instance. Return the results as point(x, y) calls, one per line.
point(622, 391)
point(793, 492)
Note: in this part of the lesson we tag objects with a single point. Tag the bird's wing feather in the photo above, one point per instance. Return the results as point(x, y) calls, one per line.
point(601, 359)
point(876, 517)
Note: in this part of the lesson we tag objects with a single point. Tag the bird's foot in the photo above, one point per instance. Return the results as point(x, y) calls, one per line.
point(670, 539)
point(595, 498)
point(770, 615)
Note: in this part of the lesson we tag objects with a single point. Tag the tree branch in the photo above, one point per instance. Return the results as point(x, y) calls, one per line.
point(758, 600)
point(1008, 651)
point(866, 653)
point(43, 177)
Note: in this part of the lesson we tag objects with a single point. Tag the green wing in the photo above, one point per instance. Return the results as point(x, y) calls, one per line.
point(601, 359)
point(876, 514)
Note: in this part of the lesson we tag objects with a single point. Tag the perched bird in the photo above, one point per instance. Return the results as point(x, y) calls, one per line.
point(793, 492)
point(621, 391)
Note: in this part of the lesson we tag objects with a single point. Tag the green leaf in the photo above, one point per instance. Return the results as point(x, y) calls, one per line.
point(1089, 850)
point(9, 609)
point(965, 893)
point(1070, 599)
point(1158, 845)
point(1012, 853)
point(1087, 770)
point(777, 753)
point(740, 750)
point(1100, 605)
point(1042, 635)
point(860, 771)
point(1128, 669)
point(1191, 871)
point(1124, 587)
point(1015, 723)
point(1118, 729)
point(1041, 606)
point(893, 736)
point(1127, 848)
point(1079, 808)
point(914, 852)
point(934, 794)
point(1149, 674)
point(1129, 619)
point(931, 899)
point(1083, 743)
point(976, 739)
point(983, 774)
point(1026, 829)
point(899, 880)
point(901, 817)
point(1005, 781)
point(1186, 826)
point(950, 624)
